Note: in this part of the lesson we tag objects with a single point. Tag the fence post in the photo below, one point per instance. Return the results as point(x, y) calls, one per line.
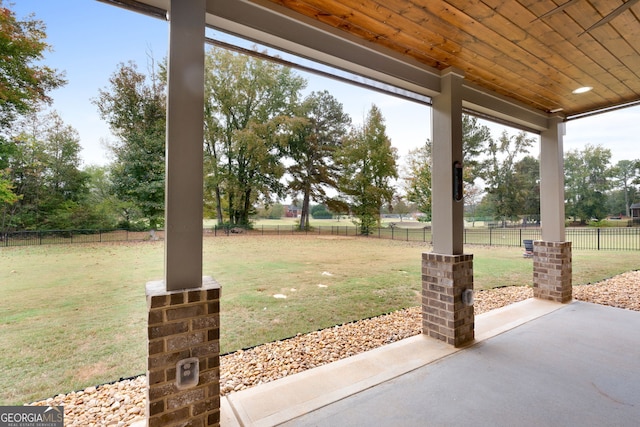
point(490, 235)
point(392, 232)
point(520, 237)
point(598, 234)
point(407, 234)
point(40, 237)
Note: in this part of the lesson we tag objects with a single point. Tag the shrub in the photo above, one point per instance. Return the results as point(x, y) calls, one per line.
point(321, 214)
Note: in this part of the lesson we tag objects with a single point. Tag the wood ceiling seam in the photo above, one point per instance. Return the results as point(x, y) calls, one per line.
point(405, 26)
point(534, 44)
point(489, 61)
point(509, 95)
point(562, 25)
point(334, 21)
point(610, 36)
point(556, 76)
point(594, 48)
point(338, 21)
point(341, 13)
point(602, 81)
point(611, 15)
point(536, 78)
point(477, 66)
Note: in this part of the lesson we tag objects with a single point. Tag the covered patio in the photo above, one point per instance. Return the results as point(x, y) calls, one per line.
point(517, 373)
point(531, 64)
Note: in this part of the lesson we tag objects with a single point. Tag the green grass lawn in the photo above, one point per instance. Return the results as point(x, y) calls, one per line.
point(75, 315)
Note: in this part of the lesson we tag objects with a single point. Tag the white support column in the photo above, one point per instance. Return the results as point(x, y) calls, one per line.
point(447, 274)
point(552, 260)
point(184, 169)
point(552, 182)
point(447, 214)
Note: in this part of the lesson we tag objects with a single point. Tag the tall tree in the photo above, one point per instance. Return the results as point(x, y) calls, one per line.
point(107, 209)
point(368, 163)
point(587, 179)
point(475, 138)
point(400, 206)
point(616, 204)
point(249, 103)
point(499, 173)
point(7, 198)
point(62, 150)
point(527, 172)
point(312, 146)
point(27, 171)
point(24, 81)
point(63, 205)
point(45, 172)
point(6, 190)
point(625, 173)
point(473, 195)
point(134, 107)
point(418, 178)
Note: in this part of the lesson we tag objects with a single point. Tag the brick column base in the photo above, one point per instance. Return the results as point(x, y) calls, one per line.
point(444, 315)
point(552, 271)
point(183, 324)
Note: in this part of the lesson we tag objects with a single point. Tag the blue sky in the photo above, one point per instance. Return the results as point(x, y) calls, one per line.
point(90, 39)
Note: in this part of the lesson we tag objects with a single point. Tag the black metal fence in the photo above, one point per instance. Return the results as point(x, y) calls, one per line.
point(57, 237)
point(624, 238)
point(614, 238)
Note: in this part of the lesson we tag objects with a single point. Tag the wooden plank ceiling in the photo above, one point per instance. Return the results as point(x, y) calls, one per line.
point(507, 46)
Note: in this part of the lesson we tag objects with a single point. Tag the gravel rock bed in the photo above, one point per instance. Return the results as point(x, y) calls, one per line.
point(122, 403)
point(119, 404)
point(622, 291)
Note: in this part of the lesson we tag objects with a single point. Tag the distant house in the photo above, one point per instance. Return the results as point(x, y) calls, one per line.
point(635, 211)
point(291, 211)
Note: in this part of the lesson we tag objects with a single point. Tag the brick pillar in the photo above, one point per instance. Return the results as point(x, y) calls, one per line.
point(552, 271)
point(183, 324)
point(444, 315)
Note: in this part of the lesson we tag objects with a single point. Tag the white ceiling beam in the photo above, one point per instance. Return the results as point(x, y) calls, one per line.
point(278, 27)
point(503, 109)
point(271, 25)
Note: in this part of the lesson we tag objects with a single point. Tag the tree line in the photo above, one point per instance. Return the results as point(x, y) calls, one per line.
point(264, 141)
point(502, 179)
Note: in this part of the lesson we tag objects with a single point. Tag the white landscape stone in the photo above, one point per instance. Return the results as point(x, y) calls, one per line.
point(247, 368)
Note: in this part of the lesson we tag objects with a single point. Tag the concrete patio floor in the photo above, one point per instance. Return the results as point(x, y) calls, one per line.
point(534, 363)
